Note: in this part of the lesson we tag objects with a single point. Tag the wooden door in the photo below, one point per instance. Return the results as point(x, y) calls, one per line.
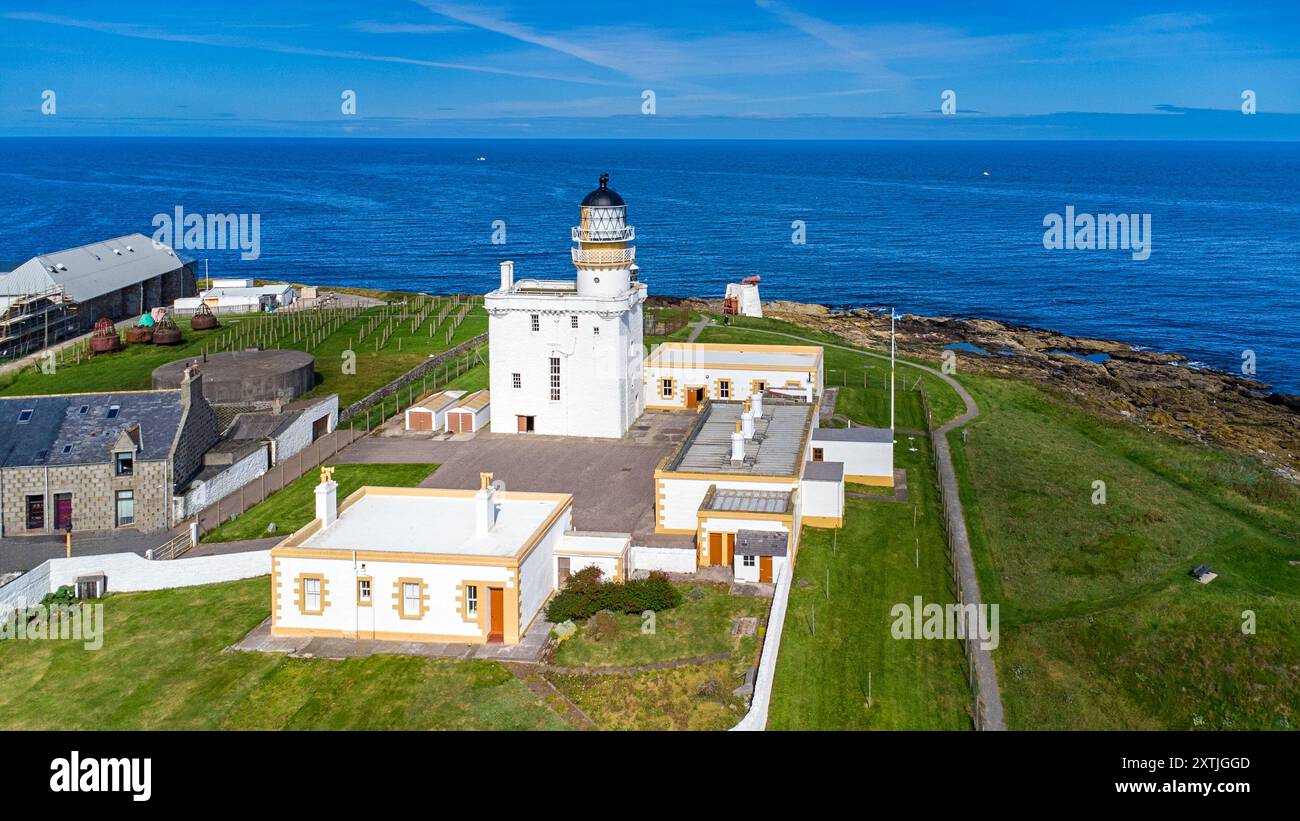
point(765, 568)
point(454, 423)
point(728, 548)
point(321, 427)
point(523, 423)
point(496, 614)
point(62, 511)
point(692, 399)
point(715, 548)
point(421, 420)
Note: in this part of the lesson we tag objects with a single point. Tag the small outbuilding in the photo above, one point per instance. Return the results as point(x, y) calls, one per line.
point(430, 414)
point(760, 555)
point(470, 414)
point(867, 453)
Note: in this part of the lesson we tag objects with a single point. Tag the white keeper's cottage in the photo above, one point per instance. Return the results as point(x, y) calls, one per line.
point(566, 355)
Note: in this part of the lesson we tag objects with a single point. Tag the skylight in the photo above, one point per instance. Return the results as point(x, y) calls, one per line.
point(25, 415)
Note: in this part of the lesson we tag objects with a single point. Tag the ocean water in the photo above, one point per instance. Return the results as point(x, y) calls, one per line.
point(916, 225)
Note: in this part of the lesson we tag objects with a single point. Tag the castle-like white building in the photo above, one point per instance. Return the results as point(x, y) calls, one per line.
point(566, 355)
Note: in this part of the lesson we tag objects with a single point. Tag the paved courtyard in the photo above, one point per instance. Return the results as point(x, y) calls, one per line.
point(612, 480)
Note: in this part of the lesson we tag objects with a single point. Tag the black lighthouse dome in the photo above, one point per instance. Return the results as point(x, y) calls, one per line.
point(604, 196)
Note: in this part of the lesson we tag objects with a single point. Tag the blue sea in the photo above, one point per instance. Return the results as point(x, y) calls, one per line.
point(916, 225)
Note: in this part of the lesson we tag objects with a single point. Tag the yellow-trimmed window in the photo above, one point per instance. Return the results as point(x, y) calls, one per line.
point(665, 389)
point(724, 388)
point(471, 600)
point(311, 594)
point(364, 591)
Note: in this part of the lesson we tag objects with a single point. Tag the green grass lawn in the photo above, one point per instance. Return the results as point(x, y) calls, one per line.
point(697, 627)
point(295, 505)
point(863, 381)
point(132, 368)
point(162, 667)
point(1101, 626)
point(822, 676)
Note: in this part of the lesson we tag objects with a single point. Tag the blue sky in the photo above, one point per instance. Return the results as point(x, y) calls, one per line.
point(734, 68)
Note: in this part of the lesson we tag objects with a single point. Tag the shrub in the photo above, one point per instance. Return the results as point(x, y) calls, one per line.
point(602, 626)
point(64, 596)
point(584, 595)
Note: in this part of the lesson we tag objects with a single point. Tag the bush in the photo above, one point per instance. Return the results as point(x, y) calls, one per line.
point(584, 595)
point(602, 626)
point(64, 596)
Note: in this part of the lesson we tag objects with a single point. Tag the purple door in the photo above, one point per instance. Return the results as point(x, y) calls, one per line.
point(62, 511)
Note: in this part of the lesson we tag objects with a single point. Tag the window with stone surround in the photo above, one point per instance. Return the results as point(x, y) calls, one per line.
point(125, 500)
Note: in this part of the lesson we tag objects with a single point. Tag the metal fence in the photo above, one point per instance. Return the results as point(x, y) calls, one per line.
point(285, 472)
point(954, 575)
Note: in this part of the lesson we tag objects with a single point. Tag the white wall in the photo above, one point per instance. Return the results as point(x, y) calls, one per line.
point(443, 617)
point(756, 718)
point(129, 571)
point(202, 493)
point(822, 498)
point(742, 382)
point(859, 458)
point(298, 435)
point(600, 373)
point(667, 559)
point(682, 497)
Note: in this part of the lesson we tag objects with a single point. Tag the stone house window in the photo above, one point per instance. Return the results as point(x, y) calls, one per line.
point(35, 512)
point(123, 463)
point(125, 507)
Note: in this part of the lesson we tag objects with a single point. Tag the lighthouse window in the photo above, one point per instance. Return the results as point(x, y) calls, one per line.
point(555, 379)
point(573, 321)
point(595, 330)
point(516, 380)
point(535, 322)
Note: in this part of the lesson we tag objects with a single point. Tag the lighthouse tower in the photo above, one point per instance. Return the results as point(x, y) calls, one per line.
point(566, 355)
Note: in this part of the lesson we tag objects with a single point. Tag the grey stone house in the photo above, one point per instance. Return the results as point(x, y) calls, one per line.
point(100, 461)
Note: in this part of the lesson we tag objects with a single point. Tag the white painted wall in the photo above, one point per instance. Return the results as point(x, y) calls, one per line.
point(537, 571)
point(756, 718)
point(667, 559)
point(859, 458)
point(742, 382)
point(25, 591)
point(682, 497)
point(600, 373)
point(202, 493)
point(342, 613)
point(480, 417)
point(298, 435)
point(822, 498)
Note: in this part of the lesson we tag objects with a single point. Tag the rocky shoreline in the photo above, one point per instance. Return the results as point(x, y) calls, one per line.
point(1157, 390)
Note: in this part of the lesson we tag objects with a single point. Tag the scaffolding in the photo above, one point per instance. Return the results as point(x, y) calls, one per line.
point(32, 322)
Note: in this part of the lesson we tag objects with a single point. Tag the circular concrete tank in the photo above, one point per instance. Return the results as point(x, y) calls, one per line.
point(245, 377)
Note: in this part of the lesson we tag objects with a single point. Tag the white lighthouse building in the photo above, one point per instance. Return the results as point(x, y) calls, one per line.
point(566, 355)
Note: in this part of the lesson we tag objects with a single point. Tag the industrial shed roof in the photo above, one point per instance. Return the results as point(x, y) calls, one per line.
point(92, 270)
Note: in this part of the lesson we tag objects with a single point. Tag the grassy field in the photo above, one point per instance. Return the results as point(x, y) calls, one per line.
point(162, 667)
point(835, 640)
point(295, 505)
point(697, 627)
point(1101, 625)
point(131, 369)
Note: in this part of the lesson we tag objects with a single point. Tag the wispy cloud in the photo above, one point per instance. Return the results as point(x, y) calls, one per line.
point(372, 27)
point(220, 41)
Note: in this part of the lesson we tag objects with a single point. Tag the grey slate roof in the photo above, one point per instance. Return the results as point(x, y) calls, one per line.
point(93, 270)
point(775, 450)
point(749, 501)
point(823, 471)
point(57, 422)
point(761, 543)
point(855, 434)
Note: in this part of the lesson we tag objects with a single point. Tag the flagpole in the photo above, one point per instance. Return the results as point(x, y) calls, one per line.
point(891, 369)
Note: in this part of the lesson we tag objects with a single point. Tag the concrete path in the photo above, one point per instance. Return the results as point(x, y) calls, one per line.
point(697, 329)
point(985, 671)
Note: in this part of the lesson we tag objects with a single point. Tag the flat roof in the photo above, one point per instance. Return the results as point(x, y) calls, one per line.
point(437, 521)
point(776, 448)
point(855, 434)
point(724, 500)
point(823, 471)
point(705, 355)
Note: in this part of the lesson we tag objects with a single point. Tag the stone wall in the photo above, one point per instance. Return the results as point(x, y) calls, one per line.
point(197, 433)
point(93, 489)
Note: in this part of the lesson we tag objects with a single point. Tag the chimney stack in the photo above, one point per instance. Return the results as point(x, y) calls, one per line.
point(191, 385)
point(327, 500)
point(747, 422)
point(757, 398)
point(507, 275)
point(737, 444)
point(485, 506)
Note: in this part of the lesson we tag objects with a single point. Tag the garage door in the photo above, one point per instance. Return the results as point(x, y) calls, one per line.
point(421, 421)
point(457, 422)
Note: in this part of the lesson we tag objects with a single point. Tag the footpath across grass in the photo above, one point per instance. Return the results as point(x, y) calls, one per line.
point(839, 666)
point(161, 667)
point(1102, 627)
point(294, 505)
